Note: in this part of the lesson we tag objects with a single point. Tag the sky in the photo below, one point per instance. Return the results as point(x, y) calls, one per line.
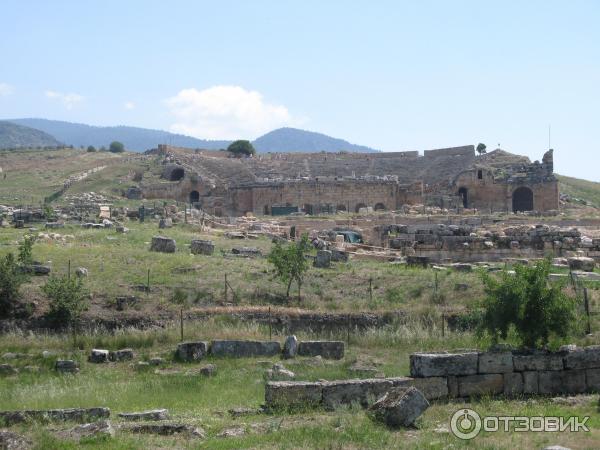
point(392, 75)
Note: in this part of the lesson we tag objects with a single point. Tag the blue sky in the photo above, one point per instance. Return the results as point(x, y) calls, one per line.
point(392, 75)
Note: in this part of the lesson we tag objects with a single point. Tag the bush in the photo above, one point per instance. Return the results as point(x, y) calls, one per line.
point(11, 279)
point(67, 299)
point(290, 263)
point(25, 250)
point(91, 149)
point(527, 303)
point(116, 147)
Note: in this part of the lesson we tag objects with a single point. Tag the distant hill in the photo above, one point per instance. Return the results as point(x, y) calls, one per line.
point(18, 136)
point(142, 139)
point(588, 191)
point(295, 140)
point(135, 139)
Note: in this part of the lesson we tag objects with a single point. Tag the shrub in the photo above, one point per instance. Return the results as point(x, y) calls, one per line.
point(116, 147)
point(11, 279)
point(25, 250)
point(67, 299)
point(241, 148)
point(290, 263)
point(527, 302)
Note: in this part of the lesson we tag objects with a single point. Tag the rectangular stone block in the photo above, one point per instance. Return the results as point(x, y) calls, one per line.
point(293, 394)
point(443, 364)
point(346, 392)
point(452, 386)
point(476, 385)
point(495, 362)
point(530, 382)
point(244, 349)
point(562, 382)
point(583, 358)
point(432, 388)
point(592, 380)
point(513, 384)
point(325, 349)
point(192, 351)
point(538, 361)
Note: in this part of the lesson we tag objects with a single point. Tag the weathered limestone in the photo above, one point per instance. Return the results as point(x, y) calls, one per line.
point(339, 255)
point(443, 364)
point(125, 354)
point(279, 373)
point(581, 263)
point(290, 394)
point(346, 392)
point(400, 407)
point(248, 252)
point(167, 429)
point(98, 356)
point(202, 247)
point(74, 414)
point(81, 272)
point(155, 414)
point(477, 385)
point(86, 430)
point(495, 362)
point(432, 388)
point(244, 349)
point(562, 382)
point(209, 370)
point(192, 351)
point(325, 349)
point(583, 358)
point(163, 244)
point(323, 259)
point(530, 382)
point(66, 366)
point(165, 223)
point(7, 369)
point(513, 384)
point(537, 360)
point(592, 380)
point(290, 347)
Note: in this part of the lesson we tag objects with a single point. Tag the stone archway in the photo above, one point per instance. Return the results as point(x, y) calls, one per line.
point(177, 174)
point(194, 197)
point(463, 193)
point(522, 199)
point(379, 207)
point(341, 207)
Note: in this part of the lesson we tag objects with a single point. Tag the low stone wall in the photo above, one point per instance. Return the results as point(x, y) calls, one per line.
point(571, 370)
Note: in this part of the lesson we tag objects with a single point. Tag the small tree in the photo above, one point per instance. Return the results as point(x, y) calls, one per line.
point(67, 299)
point(91, 149)
point(290, 263)
point(25, 250)
point(481, 148)
point(527, 302)
point(116, 147)
point(11, 279)
point(241, 148)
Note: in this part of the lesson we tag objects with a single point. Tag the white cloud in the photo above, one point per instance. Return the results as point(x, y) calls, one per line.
point(225, 112)
point(129, 105)
point(5, 89)
point(68, 100)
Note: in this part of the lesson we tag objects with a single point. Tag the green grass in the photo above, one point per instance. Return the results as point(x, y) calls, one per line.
point(581, 189)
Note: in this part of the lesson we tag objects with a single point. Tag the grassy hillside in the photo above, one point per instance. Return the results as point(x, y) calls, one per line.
point(580, 189)
point(18, 136)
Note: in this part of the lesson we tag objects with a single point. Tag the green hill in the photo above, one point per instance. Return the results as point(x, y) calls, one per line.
point(576, 188)
point(19, 136)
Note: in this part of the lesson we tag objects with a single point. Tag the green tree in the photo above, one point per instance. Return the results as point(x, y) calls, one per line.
point(68, 299)
point(528, 303)
point(481, 148)
point(25, 250)
point(290, 262)
point(116, 147)
point(11, 279)
point(91, 149)
point(241, 148)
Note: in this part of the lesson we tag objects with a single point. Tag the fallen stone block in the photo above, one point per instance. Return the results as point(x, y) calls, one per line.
point(581, 263)
point(202, 247)
point(495, 362)
point(562, 382)
point(13, 441)
point(7, 369)
point(95, 429)
point(154, 414)
point(323, 259)
point(165, 223)
point(477, 385)
point(293, 394)
point(163, 244)
point(325, 349)
point(249, 252)
point(400, 407)
point(244, 349)
point(279, 373)
point(192, 351)
point(125, 354)
point(443, 364)
point(66, 366)
point(209, 370)
point(339, 255)
point(346, 392)
point(98, 356)
point(290, 347)
point(68, 414)
point(166, 429)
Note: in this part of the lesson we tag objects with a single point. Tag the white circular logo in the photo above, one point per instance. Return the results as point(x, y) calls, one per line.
point(465, 424)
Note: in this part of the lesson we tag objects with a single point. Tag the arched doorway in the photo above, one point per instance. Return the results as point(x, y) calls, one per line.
point(194, 197)
point(341, 207)
point(522, 199)
point(379, 207)
point(464, 195)
point(308, 208)
point(177, 174)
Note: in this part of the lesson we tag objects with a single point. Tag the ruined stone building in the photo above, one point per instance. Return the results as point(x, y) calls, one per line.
point(280, 183)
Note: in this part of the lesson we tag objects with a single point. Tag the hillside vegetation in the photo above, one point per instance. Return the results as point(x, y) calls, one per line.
point(577, 188)
point(18, 136)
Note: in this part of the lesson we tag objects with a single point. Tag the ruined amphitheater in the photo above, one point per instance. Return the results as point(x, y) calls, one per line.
point(316, 183)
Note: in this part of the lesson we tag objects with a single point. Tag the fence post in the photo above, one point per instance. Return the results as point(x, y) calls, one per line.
point(225, 287)
point(181, 322)
point(270, 331)
point(148, 283)
point(69, 271)
point(370, 289)
point(348, 330)
point(443, 324)
point(586, 304)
